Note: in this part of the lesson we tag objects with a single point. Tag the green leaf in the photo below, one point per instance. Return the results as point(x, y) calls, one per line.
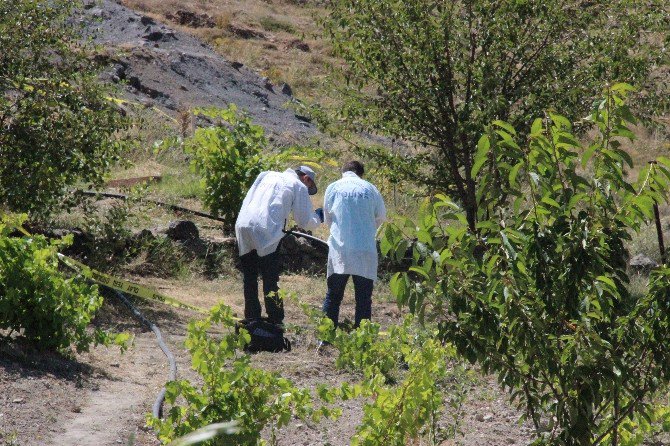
point(514, 172)
point(560, 121)
point(588, 154)
point(537, 127)
point(507, 127)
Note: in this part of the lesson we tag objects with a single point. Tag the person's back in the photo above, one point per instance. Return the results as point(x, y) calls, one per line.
point(353, 212)
point(264, 212)
point(259, 230)
point(353, 209)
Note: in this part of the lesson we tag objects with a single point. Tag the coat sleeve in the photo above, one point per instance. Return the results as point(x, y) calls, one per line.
point(328, 206)
point(303, 214)
point(380, 209)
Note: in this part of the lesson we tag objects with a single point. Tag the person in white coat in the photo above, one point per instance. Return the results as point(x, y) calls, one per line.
point(259, 230)
point(353, 209)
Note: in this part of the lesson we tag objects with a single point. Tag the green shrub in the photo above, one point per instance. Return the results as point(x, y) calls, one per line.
point(57, 124)
point(39, 301)
point(538, 293)
point(411, 377)
point(231, 389)
point(272, 24)
point(229, 155)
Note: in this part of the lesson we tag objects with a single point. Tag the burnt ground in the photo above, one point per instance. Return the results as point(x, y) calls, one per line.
point(101, 398)
point(155, 65)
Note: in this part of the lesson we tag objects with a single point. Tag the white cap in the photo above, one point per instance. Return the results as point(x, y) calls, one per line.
point(312, 175)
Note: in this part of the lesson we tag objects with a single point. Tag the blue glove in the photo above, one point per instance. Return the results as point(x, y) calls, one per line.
point(319, 212)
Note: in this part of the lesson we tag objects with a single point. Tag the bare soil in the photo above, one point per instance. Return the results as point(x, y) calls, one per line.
point(101, 398)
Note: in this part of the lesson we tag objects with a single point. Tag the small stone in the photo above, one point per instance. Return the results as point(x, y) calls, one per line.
point(115, 364)
point(183, 230)
point(298, 45)
point(146, 20)
point(642, 264)
point(286, 89)
point(17, 400)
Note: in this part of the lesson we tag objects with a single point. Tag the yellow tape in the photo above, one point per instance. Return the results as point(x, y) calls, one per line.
point(124, 286)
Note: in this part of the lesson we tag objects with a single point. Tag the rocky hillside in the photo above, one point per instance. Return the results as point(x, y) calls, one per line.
point(157, 65)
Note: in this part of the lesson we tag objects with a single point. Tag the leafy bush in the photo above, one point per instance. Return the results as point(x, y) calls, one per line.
point(56, 124)
point(41, 303)
point(230, 155)
point(232, 389)
point(406, 372)
point(538, 293)
point(479, 60)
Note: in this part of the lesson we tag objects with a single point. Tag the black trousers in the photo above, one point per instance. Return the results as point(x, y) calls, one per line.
point(269, 268)
point(362, 292)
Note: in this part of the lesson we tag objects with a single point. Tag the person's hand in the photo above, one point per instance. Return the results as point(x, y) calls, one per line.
point(319, 212)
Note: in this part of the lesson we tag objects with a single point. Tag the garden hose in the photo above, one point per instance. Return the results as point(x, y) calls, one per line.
point(193, 212)
point(157, 409)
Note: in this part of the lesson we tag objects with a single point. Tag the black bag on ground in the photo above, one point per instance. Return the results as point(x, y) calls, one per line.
point(265, 336)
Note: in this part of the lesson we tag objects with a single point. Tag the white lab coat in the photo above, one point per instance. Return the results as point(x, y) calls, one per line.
point(353, 209)
point(266, 207)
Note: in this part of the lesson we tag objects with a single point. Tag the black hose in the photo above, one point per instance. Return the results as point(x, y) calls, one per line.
point(192, 212)
point(307, 236)
point(148, 200)
point(157, 409)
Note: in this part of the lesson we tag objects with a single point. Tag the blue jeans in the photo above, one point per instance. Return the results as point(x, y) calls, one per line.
point(362, 291)
point(269, 267)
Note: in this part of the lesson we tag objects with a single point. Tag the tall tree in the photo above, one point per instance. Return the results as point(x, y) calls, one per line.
point(56, 124)
point(435, 73)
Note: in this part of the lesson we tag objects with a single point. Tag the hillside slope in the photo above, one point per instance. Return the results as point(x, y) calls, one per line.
point(157, 65)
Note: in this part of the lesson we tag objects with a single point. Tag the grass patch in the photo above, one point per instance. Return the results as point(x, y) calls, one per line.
point(273, 24)
point(180, 184)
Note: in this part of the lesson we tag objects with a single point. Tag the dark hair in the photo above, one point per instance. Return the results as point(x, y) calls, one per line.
point(355, 167)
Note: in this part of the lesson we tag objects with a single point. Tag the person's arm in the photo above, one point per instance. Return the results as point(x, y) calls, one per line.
point(328, 206)
point(303, 214)
point(380, 208)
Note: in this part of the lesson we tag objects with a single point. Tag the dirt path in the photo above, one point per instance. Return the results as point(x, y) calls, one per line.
point(108, 415)
point(101, 398)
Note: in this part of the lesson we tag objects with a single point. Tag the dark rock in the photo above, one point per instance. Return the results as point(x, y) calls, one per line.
point(183, 230)
point(236, 65)
point(196, 246)
point(246, 33)
point(642, 264)
point(143, 236)
point(146, 20)
point(286, 89)
point(298, 45)
point(303, 118)
point(263, 97)
point(192, 19)
point(154, 34)
point(81, 241)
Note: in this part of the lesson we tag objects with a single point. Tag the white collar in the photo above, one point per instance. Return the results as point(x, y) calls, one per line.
point(292, 172)
point(350, 174)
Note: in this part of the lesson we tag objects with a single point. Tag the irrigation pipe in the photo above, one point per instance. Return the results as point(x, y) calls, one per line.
point(157, 409)
point(192, 212)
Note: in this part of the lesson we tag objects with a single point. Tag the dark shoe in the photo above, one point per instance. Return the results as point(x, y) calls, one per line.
point(324, 348)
